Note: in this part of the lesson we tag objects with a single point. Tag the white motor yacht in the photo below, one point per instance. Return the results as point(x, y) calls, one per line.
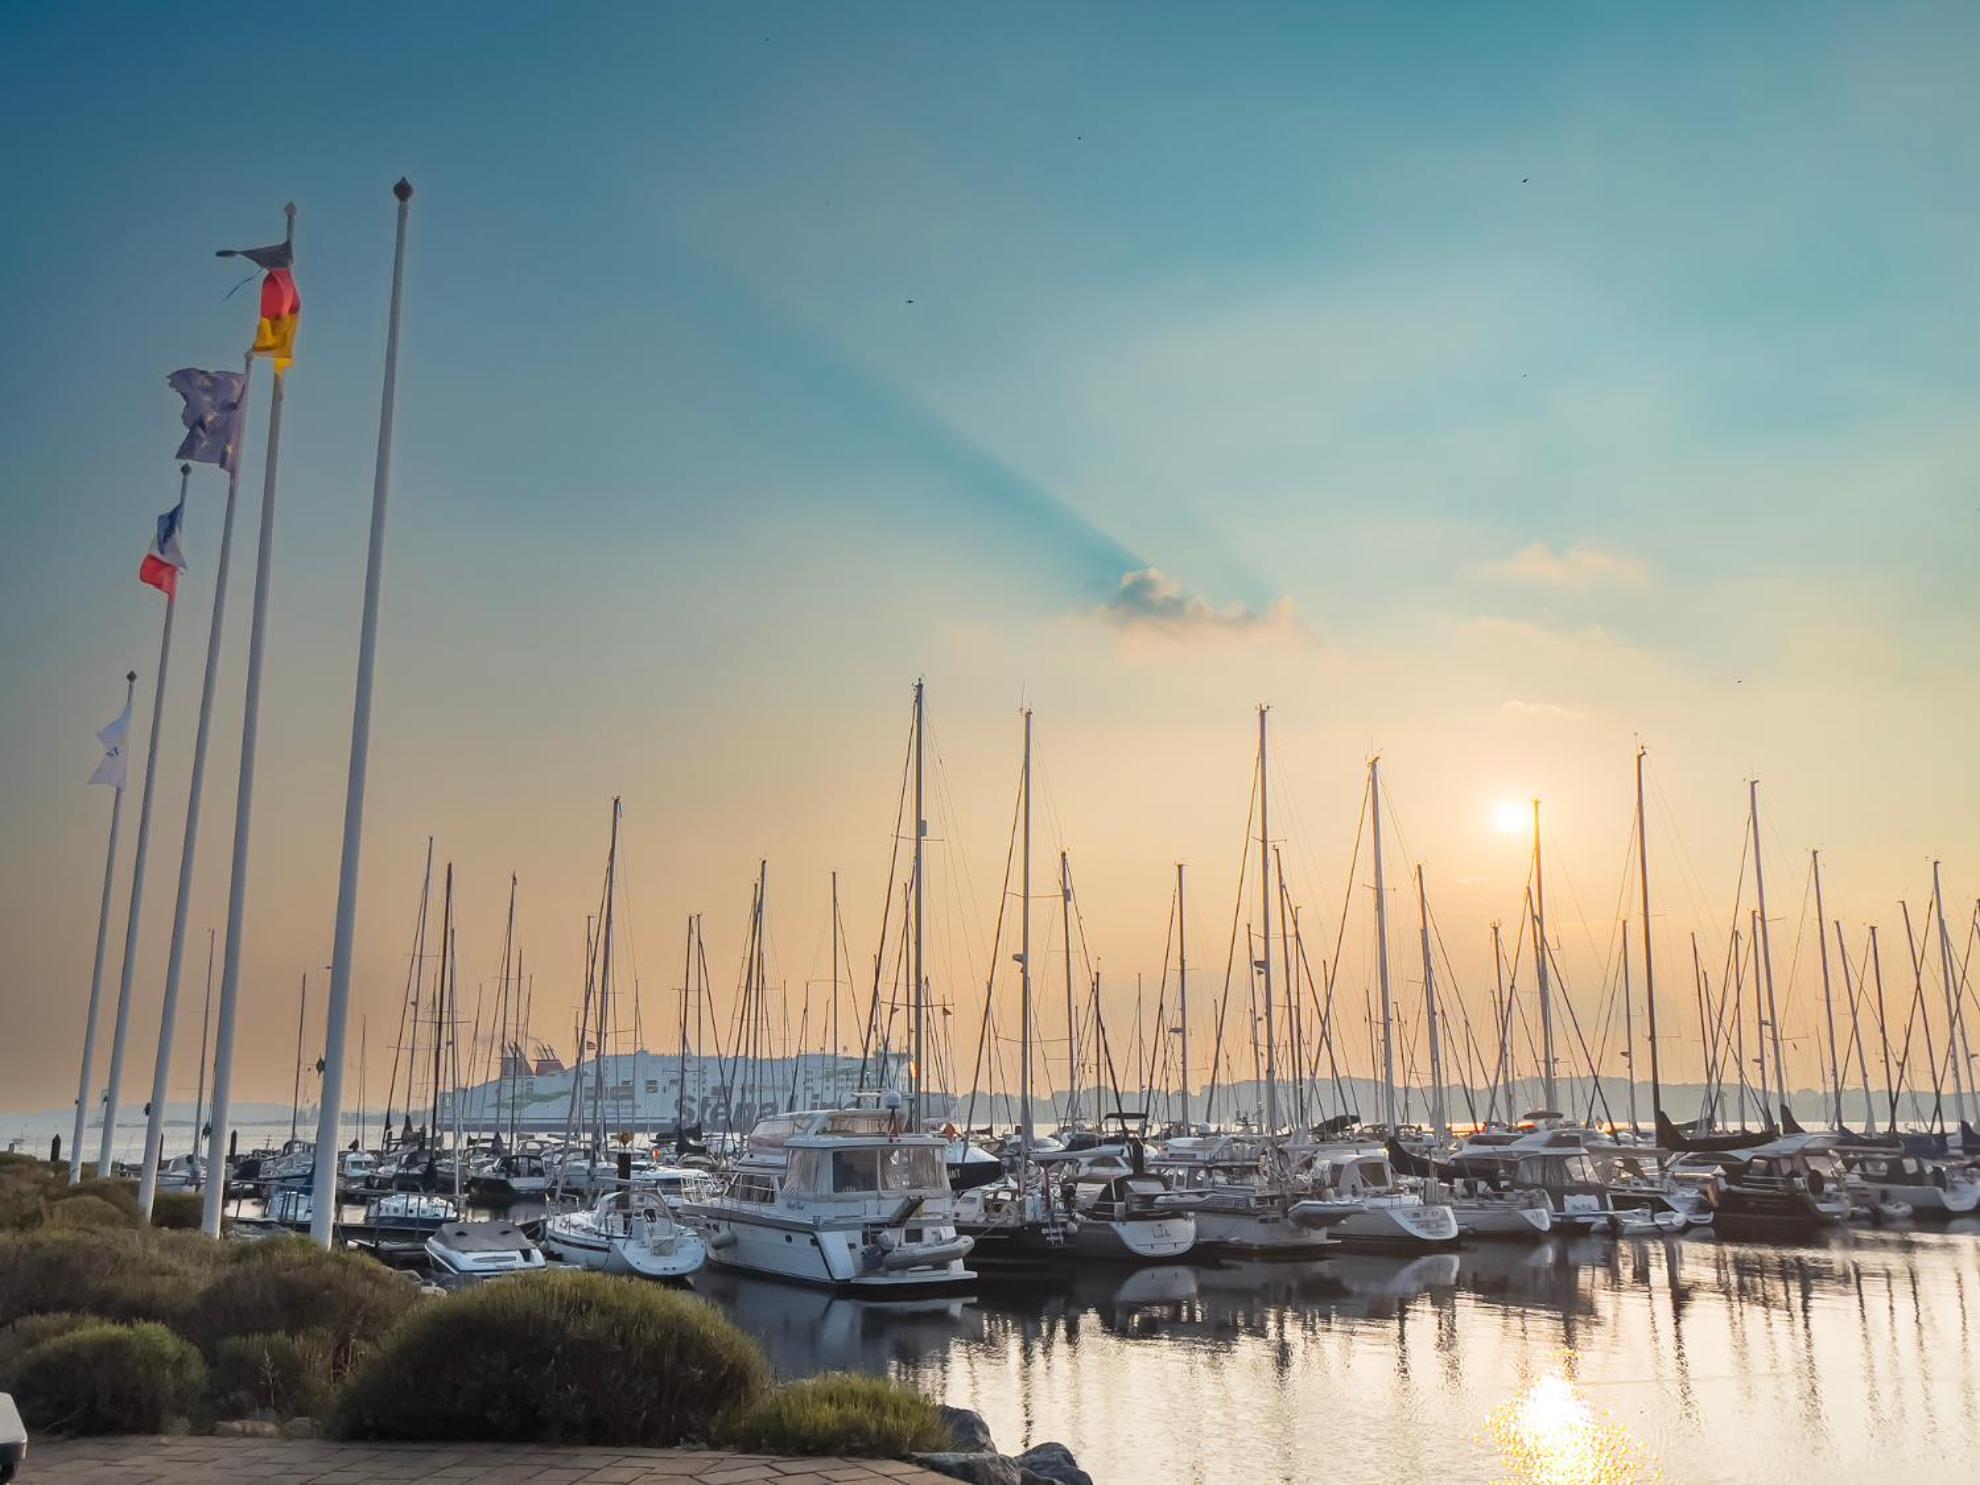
point(841, 1197)
point(626, 1232)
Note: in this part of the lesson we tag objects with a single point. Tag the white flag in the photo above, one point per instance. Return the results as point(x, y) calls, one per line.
point(112, 769)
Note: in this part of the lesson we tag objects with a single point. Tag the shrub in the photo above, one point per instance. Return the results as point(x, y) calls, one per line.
point(122, 1195)
point(556, 1358)
point(841, 1413)
point(178, 1210)
point(115, 1274)
point(289, 1284)
point(86, 1211)
point(29, 1331)
point(103, 1378)
point(284, 1376)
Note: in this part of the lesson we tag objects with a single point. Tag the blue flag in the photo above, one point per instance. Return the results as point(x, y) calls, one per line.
point(212, 415)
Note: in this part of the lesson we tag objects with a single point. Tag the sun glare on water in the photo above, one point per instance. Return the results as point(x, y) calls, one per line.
point(1549, 1435)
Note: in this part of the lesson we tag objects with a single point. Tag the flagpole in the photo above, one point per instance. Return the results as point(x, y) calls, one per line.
point(323, 1211)
point(154, 1134)
point(117, 1041)
point(96, 973)
point(230, 976)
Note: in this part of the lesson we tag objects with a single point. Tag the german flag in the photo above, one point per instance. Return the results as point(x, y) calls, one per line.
point(281, 312)
point(281, 305)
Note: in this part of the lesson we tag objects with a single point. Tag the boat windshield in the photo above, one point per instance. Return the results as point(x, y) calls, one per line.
point(858, 1172)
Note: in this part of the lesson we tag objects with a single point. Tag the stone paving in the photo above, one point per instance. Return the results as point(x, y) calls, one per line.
point(225, 1461)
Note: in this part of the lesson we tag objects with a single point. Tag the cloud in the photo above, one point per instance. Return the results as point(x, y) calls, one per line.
point(1149, 600)
point(1577, 570)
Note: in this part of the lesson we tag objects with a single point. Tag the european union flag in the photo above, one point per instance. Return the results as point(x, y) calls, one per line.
point(212, 415)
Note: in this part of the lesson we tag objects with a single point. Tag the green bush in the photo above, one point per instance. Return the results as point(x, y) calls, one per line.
point(103, 1378)
point(29, 1331)
point(289, 1284)
point(840, 1413)
point(178, 1210)
point(277, 1374)
point(86, 1211)
point(119, 1194)
point(115, 1274)
point(556, 1358)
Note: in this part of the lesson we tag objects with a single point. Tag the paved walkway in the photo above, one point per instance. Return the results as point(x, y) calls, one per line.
point(224, 1461)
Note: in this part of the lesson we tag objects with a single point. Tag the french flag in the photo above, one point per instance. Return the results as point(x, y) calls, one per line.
point(164, 562)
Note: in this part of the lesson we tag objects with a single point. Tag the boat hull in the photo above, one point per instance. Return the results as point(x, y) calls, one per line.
point(825, 1257)
point(1406, 1227)
point(1258, 1235)
point(1502, 1220)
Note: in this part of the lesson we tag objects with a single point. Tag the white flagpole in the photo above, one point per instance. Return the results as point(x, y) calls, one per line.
point(96, 974)
point(323, 1210)
point(154, 1134)
point(230, 976)
point(122, 1032)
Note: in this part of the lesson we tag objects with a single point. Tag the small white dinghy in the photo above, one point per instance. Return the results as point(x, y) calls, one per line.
point(632, 1232)
point(482, 1250)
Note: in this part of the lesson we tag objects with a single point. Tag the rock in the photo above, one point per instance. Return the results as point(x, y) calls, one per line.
point(978, 1468)
point(300, 1428)
point(248, 1428)
point(972, 1433)
point(1053, 1462)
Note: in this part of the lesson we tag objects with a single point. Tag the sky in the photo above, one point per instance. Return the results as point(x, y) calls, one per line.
point(1489, 390)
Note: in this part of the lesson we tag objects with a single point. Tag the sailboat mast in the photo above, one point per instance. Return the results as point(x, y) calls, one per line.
point(302, 1009)
point(1766, 939)
point(1437, 1119)
point(1072, 1016)
point(833, 929)
point(1705, 1039)
point(605, 983)
point(1883, 1026)
point(1024, 969)
point(505, 1083)
point(680, 1060)
point(1955, 1039)
point(1382, 945)
point(918, 991)
point(1182, 990)
point(1828, 1004)
point(205, 1025)
point(1629, 1035)
point(1541, 978)
point(1265, 929)
point(1649, 966)
point(440, 1004)
point(1502, 1013)
point(1760, 1023)
point(1855, 994)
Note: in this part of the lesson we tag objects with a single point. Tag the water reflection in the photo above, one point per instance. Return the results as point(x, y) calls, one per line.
point(1689, 1359)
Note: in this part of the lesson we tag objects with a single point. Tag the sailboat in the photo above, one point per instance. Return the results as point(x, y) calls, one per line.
point(1238, 1189)
point(1352, 1188)
point(1102, 1205)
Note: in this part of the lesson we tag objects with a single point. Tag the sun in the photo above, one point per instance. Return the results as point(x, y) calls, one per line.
point(1509, 817)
